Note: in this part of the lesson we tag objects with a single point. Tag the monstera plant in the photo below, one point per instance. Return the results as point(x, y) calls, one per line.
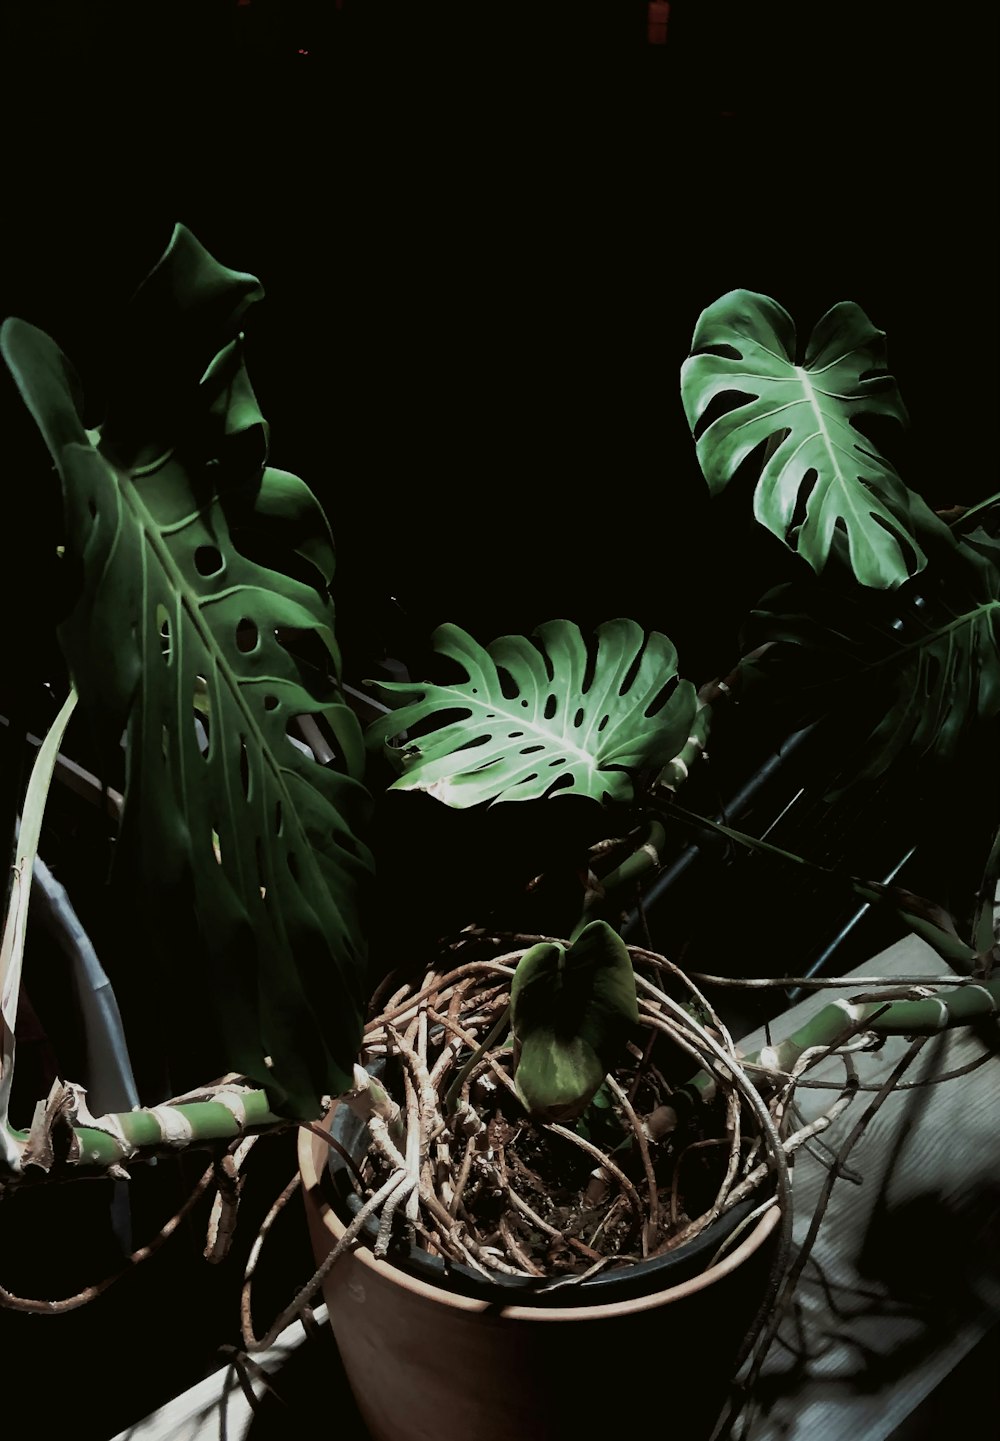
point(201, 658)
point(202, 629)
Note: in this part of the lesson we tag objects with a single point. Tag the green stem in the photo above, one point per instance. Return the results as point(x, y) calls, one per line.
point(676, 772)
point(834, 1023)
point(978, 509)
point(108, 1141)
point(642, 860)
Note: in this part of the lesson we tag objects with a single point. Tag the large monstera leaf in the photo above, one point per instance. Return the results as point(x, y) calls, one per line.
point(926, 660)
point(821, 479)
point(243, 847)
point(542, 716)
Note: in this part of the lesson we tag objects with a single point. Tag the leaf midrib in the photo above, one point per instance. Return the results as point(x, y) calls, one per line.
point(150, 529)
point(969, 618)
point(545, 731)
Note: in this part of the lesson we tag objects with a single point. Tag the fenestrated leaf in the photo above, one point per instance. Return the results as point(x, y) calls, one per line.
point(821, 476)
point(572, 1009)
point(928, 663)
point(531, 724)
point(244, 845)
point(174, 324)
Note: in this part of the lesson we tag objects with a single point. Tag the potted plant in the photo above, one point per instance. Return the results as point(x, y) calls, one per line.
point(549, 1130)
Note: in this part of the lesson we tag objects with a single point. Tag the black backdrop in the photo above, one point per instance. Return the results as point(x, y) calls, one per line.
point(485, 236)
point(485, 241)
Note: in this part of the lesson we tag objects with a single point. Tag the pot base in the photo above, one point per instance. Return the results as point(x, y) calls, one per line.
point(426, 1364)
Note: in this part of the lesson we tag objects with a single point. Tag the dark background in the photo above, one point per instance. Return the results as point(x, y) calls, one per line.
point(485, 237)
point(486, 234)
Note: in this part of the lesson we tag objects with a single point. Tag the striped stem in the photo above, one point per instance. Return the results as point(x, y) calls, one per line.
point(835, 1023)
point(64, 1139)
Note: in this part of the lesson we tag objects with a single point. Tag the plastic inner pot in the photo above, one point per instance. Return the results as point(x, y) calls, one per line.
point(606, 1287)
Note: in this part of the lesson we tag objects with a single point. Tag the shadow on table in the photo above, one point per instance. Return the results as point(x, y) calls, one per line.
point(311, 1379)
point(929, 1267)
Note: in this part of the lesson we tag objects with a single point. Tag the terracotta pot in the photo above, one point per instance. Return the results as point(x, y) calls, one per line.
point(427, 1364)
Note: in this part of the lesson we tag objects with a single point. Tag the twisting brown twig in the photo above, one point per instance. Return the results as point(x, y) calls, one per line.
point(71, 1303)
point(649, 1230)
point(308, 1291)
point(229, 1179)
point(246, 1300)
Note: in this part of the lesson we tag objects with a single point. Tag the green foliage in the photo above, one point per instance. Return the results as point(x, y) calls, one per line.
point(531, 724)
point(203, 629)
point(572, 1009)
point(190, 634)
point(821, 478)
point(927, 659)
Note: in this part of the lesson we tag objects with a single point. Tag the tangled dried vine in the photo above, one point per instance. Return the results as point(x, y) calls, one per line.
point(483, 1184)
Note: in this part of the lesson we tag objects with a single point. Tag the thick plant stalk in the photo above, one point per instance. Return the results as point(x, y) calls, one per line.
point(65, 1139)
point(231, 1110)
point(920, 1016)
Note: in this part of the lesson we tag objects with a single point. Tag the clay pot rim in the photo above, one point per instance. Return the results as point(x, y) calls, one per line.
point(312, 1157)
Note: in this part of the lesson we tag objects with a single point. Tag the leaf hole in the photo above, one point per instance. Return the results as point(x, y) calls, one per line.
point(208, 560)
point(307, 650)
point(564, 782)
point(92, 507)
point(514, 735)
point(578, 718)
point(261, 868)
point(906, 547)
point(508, 685)
point(550, 707)
point(559, 761)
point(806, 487)
point(279, 819)
point(323, 740)
point(163, 627)
point(441, 720)
point(724, 352)
point(294, 738)
point(530, 750)
point(244, 769)
point(661, 698)
point(603, 722)
point(216, 845)
point(474, 743)
point(200, 715)
point(165, 744)
point(270, 702)
point(247, 636)
point(722, 404)
point(629, 678)
point(589, 671)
